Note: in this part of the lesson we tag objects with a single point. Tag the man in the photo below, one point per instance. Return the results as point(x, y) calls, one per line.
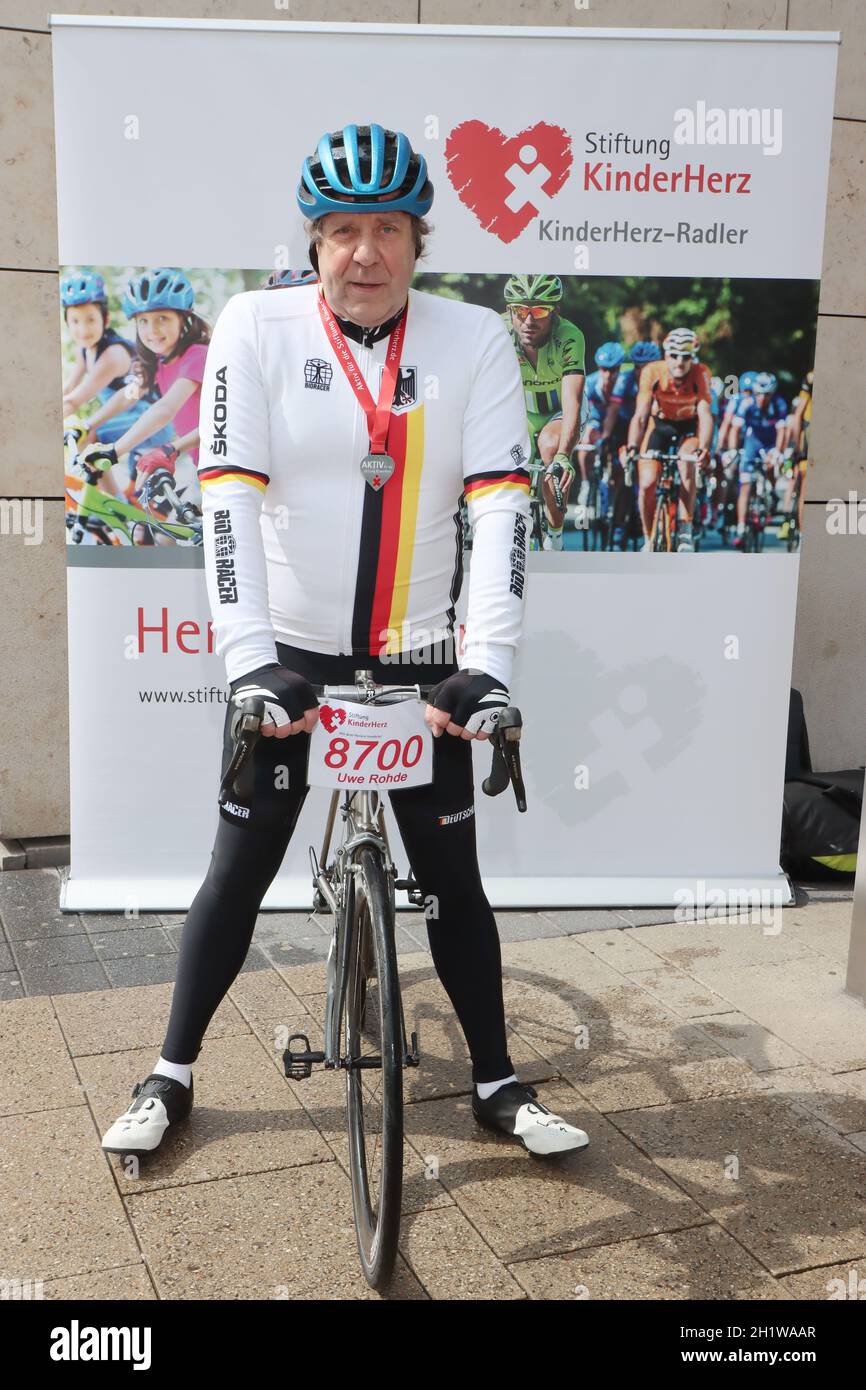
point(728, 457)
point(602, 427)
point(331, 495)
point(675, 395)
point(550, 351)
point(796, 458)
point(759, 430)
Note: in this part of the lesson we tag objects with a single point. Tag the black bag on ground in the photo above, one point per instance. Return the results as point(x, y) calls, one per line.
point(821, 810)
point(821, 824)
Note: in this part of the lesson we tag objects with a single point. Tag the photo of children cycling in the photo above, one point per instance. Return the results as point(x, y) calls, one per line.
point(131, 399)
point(665, 415)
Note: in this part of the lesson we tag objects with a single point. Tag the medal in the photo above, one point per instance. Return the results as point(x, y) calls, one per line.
point(376, 469)
point(376, 466)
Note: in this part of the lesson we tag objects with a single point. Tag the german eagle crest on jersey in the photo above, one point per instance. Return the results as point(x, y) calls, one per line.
point(406, 390)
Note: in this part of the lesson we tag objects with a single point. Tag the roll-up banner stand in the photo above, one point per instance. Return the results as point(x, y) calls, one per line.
point(670, 179)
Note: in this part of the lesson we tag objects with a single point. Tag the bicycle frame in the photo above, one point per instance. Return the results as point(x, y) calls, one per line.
point(363, 815)
point(668, 492)
point(117, 513)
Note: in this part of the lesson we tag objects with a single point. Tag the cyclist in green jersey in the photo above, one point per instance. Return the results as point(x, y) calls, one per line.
point(550, 351)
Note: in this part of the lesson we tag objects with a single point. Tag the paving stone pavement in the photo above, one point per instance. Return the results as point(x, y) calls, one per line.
point(719, 1070)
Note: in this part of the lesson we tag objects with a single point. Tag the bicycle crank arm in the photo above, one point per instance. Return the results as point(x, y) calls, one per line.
point(410, 1056)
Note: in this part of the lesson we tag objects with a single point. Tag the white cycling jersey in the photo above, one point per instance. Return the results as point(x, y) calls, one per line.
point(299, 548)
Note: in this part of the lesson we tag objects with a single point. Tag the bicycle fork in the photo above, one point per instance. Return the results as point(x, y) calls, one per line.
point(344, 949)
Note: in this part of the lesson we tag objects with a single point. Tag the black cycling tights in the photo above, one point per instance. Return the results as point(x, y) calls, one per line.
point(442, 851)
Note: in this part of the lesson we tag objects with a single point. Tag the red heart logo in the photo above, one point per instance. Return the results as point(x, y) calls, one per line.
point(507, 180)
point(331, 718)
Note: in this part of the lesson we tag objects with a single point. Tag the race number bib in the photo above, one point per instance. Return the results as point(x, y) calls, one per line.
point(383, 747)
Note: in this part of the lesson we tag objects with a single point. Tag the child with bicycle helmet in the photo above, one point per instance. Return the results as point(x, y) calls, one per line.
point(103, 362)
point(171, 347)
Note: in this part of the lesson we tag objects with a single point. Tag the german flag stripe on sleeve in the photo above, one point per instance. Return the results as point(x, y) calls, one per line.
point(208, 476)
point(483, 484)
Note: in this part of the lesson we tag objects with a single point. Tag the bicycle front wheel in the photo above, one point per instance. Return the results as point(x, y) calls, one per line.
point(373, 1057)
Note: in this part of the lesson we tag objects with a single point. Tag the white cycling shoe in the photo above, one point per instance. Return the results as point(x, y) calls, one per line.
point(158, 1102)
point(514, 1110)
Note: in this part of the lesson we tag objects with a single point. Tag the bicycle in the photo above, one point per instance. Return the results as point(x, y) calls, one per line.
point(537, 510)
point(665, 527)
point(591, 520)
point(758, 506)
point(792, 518)
point(618, 522)
point(705, 487)
point(365, 1030)
point(112, 520)
point(537, 522)
point(730, 469)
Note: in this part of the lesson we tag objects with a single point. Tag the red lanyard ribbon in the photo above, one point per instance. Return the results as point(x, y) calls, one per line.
point(378, 414)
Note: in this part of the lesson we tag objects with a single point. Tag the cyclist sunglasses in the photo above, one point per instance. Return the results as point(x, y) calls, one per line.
point(680, 356)
point(533, 311)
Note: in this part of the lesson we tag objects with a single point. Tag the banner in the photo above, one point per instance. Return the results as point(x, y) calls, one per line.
point(665, 190)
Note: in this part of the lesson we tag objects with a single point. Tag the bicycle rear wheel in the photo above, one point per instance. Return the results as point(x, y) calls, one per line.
point(372, 1046)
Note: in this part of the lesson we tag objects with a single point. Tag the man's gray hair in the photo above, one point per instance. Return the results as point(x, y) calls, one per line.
point(420, 227)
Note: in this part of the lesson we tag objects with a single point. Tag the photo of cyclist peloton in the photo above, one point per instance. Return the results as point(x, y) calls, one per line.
point(131, 397)
point(665, 415)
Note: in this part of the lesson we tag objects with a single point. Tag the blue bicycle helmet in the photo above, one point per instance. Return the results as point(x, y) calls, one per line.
point(609, 355)
point(645, 351)
point(366, 166)
point(86, 288)
point(764, 384)
point(747, 380)
point(158, 289)
point(285, 279)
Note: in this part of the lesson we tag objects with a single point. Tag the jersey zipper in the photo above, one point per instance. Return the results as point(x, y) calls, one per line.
point(355, 504)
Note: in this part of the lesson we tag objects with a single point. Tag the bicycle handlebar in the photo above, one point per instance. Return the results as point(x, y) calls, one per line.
point(247, 721)
point(654, 455)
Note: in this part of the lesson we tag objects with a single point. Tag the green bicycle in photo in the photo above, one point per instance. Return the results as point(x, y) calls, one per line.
point(101, 518)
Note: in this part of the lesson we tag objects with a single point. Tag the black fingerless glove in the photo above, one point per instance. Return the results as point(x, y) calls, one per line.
point(286, 694)
point(472, 698)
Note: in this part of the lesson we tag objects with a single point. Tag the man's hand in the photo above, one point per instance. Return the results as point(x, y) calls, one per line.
point(291, 706)
point(466, 705)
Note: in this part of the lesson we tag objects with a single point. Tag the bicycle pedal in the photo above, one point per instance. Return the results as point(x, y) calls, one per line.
point(299, 1065)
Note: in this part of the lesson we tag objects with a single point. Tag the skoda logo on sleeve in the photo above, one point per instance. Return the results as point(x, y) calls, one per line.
point(376, 470)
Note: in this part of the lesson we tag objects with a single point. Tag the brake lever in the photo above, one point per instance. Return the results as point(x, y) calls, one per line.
point(245, 733)
point(505, 766)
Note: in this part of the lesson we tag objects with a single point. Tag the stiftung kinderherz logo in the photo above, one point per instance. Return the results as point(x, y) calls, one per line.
point(507, 182)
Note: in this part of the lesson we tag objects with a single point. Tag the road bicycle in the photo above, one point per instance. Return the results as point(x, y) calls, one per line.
point(792, 518)
point(730, 484)
point(538, 528)
point(665, 527)
point(617, 520)
point(759, 507)
point(705, 487)
point(110, 520)
point(365, 1030)
point(592, 514)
